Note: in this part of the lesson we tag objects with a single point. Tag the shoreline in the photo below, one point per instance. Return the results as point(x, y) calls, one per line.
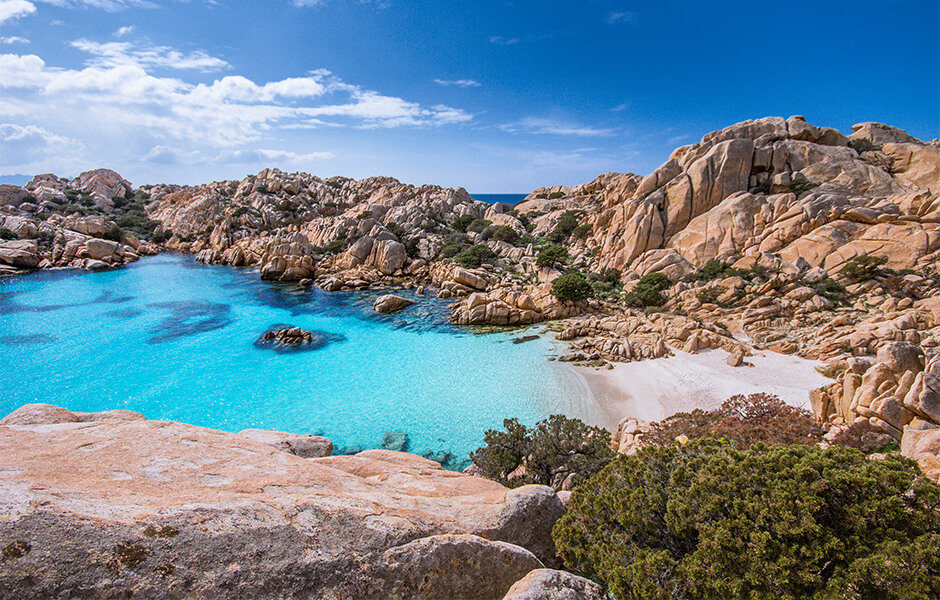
point(652, 390)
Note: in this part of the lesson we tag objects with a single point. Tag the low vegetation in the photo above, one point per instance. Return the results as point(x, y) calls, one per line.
point(553, 451)
point(474, 256)
point(571, 286)
point(649, 291)
point(709, 520)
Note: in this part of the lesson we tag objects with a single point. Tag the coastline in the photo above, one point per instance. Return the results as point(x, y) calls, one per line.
point(652, 390)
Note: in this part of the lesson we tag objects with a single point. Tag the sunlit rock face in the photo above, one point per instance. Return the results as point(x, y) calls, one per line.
point(112, 504)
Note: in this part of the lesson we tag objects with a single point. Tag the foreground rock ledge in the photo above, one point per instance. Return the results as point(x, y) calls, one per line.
point(108, 505)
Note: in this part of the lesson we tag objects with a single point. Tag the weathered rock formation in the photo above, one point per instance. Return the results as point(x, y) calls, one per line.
point(108, 505)
point(388, 303)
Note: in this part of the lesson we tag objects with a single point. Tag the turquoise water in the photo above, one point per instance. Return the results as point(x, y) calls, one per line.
point(174, 339)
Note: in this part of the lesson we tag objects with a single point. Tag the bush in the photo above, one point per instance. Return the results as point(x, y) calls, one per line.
point(864, 267)
point(115, 234)
point(708, 295)
point(366, 214)
point(705, 520)
point(743, 421)
point(7, 234)
point(462, 222)
point(454, 245)
point(552, 256)
point(162, 237)
point(581, 231)
point(478, 225)
point(505, 233)
point(830, 288)
point(571, 286)
point(547, 454)
point(556, 195)
point(474, 256)
point(649, 291)
point(865, 437)
point(566, 224)
point(337, 245)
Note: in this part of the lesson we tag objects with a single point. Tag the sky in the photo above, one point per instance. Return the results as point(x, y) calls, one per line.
point(494, 96)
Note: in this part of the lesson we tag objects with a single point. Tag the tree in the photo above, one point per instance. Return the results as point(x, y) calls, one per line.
point(705, 520)
point(552, 256)
point(505, 233)
point(474, 256)
point(649, 291)
point(548, 454)
point(571, 286)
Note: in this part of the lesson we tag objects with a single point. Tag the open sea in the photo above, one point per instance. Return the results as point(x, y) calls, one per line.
point(174, 339)
point(504, 198)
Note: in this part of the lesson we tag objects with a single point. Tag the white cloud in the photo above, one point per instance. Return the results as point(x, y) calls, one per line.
point(14, 9)
point(620, 107)
point(123, 113)
point(503, 41)
point(26, 148)
point(536, 125)
point(13, 40)
point(112, 54)
point(464, 83)
point(616, 17)
point(109, 5)
point(126, 30)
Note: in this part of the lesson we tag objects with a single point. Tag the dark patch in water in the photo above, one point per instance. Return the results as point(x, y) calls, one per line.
point(189, 318)
point(109, 297)
point(127, 313)
point(319, 339)
point(25, 340)
point(9, 305)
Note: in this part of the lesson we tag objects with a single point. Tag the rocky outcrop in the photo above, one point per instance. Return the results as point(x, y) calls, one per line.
point(111, 504)
point(304, 446)
point(897, 392)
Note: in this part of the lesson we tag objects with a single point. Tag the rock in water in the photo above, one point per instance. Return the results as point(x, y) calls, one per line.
point(286, 338)
point(390, 303)
point(395, 440)
point(168, 510)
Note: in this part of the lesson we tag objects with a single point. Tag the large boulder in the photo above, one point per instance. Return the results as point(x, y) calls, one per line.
point(22, 254)
point(389, 303)
point(923, 445)
point(113, 504)
point(302, 445)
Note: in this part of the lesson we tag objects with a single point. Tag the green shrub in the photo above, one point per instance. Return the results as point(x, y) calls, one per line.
point(162, 237)
point(709, 295)
point(474, 256)
point(462, 222)
point(800, 186)
point(830, 288)
point(115, 234)
point(705, 520)
point(240, 211)
point(864, 267)
point(862, 145)
point(478, 225)
point(366, 214)
point(338, 244)
point(396, 229)
point(552, 256)
point(581, 231)
point(649, 291)
point(566, 224)
point(547, 454)
point(454, 244)
point(411, 247)
point(7, 234)
point(556, 195)
point(505, 233)
point(571, 286)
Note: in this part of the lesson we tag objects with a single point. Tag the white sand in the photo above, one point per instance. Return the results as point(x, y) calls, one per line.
point(655, 389)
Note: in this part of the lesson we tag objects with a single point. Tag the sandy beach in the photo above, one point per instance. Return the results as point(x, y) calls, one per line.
point(655, 389)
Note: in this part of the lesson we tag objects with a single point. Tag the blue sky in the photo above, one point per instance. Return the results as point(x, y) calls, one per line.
point(495, 96)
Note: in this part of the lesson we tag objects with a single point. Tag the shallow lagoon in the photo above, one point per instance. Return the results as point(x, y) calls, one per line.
point(174, 339)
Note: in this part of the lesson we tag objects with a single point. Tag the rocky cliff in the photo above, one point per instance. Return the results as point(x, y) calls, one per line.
point(111, 505)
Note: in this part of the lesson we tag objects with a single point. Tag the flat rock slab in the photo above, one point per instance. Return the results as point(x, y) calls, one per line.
point(102, 505)
point(390, 303)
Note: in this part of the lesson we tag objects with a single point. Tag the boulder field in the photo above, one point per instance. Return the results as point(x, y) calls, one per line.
point(111, 505)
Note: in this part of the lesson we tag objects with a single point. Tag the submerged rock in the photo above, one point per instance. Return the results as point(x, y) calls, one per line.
point(395, 440)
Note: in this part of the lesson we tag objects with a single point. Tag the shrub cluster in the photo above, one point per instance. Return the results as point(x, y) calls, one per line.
point(552, 256)
point(7, 234)
point(571, 286)
point(707, 520)
point(566, 224)
point(743, 421)
point(546, 454)
point(474, 256)
point(864, 267)
point(649, 291)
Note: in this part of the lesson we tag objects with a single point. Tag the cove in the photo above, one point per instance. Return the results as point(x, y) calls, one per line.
point(174, 339)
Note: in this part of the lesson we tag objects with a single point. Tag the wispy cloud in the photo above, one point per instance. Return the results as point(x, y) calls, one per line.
point(14, 9)
point(309, 3)
point(109, 5)
point(541, 126)
point(620, 107)
point(122, 31)
point(616, 17)
point(464, 83)
point(113, 54)
point(503, 41)
point(13, 40)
